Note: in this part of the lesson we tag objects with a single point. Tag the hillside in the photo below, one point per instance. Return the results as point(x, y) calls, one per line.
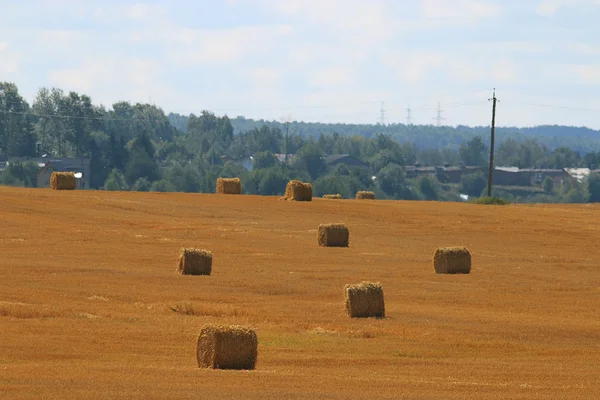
point(91, 305)
point(580, 139)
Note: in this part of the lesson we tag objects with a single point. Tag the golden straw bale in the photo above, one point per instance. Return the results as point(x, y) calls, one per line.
point(298, 191)
point(63, 181)
point(365, 300)
point(195, 262)
point(452, 260)
point(333, 235)
point(332, 196)
point(364, 195)
point(226, 347)
point(229, 186)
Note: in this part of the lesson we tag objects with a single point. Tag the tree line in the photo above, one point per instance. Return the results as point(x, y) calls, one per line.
point(139, 147)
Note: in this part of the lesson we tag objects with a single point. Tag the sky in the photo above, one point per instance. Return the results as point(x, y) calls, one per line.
point(316, 60)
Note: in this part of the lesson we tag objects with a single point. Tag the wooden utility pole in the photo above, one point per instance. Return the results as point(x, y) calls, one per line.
point(491, 169)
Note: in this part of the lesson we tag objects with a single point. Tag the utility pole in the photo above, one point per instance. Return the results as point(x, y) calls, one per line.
point(286, 123)
point(491, 169)
point(439, 117)
point(408, 117)
point(3, 95)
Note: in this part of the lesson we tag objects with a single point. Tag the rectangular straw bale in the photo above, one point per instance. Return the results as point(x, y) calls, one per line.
point(333, 235)
point(229, 186)
point(452, 260)
point(364, 195)
point(195, 262)
point(332, 196)
point(226, 347)
point(63, 181)
point(365, 300)
point(298, 191)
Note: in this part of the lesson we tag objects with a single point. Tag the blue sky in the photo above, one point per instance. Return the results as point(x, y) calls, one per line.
point(316, 60)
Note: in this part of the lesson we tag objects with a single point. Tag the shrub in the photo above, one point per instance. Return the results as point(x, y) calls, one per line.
point(499, 201)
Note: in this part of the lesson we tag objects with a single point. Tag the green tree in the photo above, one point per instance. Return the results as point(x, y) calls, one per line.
point(429, 187)
point(474, 152)
point(17, 136)
point(548, 185)
point(21, 174)
point(115, 181)
point(392, 181)
point(162, 186)
point(273, 182)
point(141, 185)
point(264, 159)
point(141, 162)
point(593, 184)
point(473, 184)
point(311, 160)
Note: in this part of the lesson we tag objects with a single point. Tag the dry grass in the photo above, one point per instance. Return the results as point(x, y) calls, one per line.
point(332, 196)
point(364, 300)
point(63, 181)
point(226, 347)
point(525, 325)
point(365, 195)
point(333, 235)
point(229, 186)
point(298, 191)
point(195, 262)
point(452, 260)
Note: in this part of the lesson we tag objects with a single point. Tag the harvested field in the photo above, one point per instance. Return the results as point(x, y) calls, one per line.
point(108, 318)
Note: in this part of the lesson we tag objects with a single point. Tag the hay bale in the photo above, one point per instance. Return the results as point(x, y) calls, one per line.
point(195, 262)
point(364, 195)
point(333, 235)
point(63, 181)
point(332, 196)
point(452, 260)
point(365, 300)
point(229, 186)
point(226, 347)
point(298, 191)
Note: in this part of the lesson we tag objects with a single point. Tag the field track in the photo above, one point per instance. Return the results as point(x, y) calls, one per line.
point(91, 306)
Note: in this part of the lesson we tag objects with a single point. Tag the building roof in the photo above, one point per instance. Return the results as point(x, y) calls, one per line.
point(578, 173)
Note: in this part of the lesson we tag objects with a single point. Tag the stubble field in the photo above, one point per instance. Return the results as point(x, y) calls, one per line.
point(91, 305)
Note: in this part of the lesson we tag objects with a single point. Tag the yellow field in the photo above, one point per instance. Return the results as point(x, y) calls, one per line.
point(91, 306)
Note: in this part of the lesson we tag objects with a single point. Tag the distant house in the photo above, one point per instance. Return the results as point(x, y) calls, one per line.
point(283, 157)
point(513, 176)
point(455, 174)
point(344, 159)
point(578, 173)
point(416, 171)
point(79, 166)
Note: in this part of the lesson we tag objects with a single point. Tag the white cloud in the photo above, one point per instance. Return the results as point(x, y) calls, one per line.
point(141, 12)
point(10, 61)
point(327, 77)
point(585, 49)
point(415, 66)
point(100, 77)
point(220, 47)
point(459, 9)
point(549, 8)
point(589, 73)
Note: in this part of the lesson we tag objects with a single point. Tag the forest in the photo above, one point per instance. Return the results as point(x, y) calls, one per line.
point(139, 147)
